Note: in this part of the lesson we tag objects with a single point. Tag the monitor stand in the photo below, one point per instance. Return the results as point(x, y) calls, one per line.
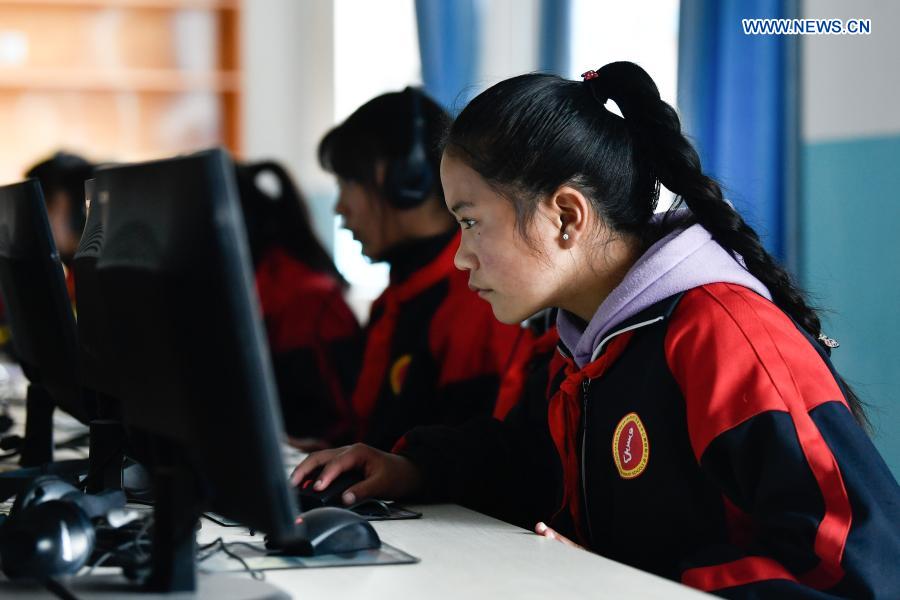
point(37, 447)
point(103, 467)
point(173, 566)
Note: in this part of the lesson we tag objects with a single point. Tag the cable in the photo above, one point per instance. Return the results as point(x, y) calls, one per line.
point(254, 547)
point(138, 543)
point(58, 589)
point(221, 546)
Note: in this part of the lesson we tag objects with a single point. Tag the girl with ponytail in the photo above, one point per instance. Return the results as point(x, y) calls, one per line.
point(301, 295)
point(698, 428)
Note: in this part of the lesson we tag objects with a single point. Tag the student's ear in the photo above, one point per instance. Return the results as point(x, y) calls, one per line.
point(570, 212)
point(376, 193)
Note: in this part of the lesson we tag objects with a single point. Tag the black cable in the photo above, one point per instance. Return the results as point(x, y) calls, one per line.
point(117, 550)
point(137, 543)
point(221, 546)
point(255, 574)
point(254, 547)
point(58, 589)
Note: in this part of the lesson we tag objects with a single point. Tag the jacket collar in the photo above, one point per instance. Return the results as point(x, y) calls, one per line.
point(653, 315)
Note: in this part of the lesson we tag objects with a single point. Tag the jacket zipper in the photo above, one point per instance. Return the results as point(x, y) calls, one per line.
point(585, 386)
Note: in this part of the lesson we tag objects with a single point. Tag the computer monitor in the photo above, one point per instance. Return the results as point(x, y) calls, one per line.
point(175, 273)
point(40, 317)
point(92, 322)
point(110, 442)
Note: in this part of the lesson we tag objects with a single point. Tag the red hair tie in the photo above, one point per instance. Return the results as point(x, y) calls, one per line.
point(588, 75)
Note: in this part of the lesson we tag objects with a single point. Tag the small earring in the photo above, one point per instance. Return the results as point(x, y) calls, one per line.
point(565, 237)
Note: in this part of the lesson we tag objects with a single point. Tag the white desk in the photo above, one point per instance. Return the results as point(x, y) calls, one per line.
point(463, 554)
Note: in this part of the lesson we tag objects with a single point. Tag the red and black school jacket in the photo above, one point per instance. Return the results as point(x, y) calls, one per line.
point(434, 350)
point(710, 443)
point(313, 336)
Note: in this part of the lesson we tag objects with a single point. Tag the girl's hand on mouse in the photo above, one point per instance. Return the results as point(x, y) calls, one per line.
point(386, 475)
point(544, 531)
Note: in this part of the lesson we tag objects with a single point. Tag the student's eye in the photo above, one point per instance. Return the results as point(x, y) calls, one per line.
point(467, 223)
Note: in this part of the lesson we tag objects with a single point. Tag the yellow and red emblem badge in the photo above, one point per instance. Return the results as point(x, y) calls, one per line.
point(398, 373)
point(630, 447)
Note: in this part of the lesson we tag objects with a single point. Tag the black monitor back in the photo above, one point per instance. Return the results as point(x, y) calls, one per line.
point(93, 316)
point(187, 339)
point(38, 307)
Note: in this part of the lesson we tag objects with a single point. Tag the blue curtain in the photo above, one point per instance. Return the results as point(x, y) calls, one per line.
point(449, 47)
point(555, 29)
point(737, 95)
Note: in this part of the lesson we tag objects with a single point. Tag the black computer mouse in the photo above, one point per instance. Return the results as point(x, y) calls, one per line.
point(309, 498)
point(330, 530)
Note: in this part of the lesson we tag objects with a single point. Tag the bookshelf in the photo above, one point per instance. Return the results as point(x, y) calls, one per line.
point(117, 79)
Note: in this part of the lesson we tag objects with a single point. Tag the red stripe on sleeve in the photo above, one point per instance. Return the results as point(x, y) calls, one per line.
point(738, 572)
point(735, 355)
point(721, 348)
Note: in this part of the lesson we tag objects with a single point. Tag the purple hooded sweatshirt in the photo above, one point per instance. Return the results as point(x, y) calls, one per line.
point(683, 260)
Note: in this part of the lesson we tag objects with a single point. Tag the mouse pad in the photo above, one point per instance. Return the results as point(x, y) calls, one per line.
point(397, 513)
point(256, 557)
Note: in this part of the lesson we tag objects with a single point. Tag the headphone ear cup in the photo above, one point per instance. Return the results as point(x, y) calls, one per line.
point(42, 489)
point(45, 540)
point(407, 182)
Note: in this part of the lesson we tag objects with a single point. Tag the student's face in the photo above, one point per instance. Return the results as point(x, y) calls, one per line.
point(363, 215)
point(517, 278)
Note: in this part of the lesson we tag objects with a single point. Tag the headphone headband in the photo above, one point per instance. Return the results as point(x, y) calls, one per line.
point(408, 180)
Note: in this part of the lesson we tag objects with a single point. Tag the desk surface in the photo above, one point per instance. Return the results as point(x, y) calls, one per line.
point(463, 554)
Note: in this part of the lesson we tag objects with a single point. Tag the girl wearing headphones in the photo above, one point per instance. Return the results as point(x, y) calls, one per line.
point(434, 353)
point(699, 428)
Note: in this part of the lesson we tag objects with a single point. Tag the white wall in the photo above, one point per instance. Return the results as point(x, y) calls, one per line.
point(287, 59)
point(851, 82)
point(849, 209)
point(509, 40)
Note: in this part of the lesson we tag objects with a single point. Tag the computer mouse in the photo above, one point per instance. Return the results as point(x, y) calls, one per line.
point(330, 530)
point(309, 498)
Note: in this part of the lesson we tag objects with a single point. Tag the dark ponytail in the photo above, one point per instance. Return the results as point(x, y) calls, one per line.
point(280, 220)
point(531, 134)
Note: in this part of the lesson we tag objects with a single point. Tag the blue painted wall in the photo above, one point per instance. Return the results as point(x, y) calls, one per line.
point(850, 263)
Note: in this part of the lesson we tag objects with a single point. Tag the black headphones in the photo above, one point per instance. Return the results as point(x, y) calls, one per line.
point(408, 180)
point(50, 529)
